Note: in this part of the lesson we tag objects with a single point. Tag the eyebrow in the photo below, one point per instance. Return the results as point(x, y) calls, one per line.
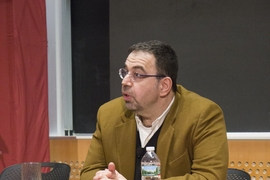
point(136, 67)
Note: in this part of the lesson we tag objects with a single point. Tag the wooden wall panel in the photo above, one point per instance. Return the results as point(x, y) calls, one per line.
point(252, 156)
point(83, 145)
point(65, 150)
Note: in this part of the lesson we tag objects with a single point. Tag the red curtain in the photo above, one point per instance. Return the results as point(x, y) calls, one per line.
point(24, 126)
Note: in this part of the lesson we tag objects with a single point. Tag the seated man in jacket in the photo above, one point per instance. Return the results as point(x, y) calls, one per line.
point(187, 130)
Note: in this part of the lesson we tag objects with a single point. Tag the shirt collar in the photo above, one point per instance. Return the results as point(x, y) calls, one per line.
point(159, 120)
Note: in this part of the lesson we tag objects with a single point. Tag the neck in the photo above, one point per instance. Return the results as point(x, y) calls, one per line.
point(149, 116)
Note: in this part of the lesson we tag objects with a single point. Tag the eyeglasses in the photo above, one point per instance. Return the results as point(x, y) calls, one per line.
point(135, 76)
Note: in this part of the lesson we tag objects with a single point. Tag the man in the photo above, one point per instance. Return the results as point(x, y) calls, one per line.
point(187, 130)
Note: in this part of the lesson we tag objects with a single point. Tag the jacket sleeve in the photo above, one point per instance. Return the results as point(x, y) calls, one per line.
point(210, 144)
point(208, 148)
point(95, 159)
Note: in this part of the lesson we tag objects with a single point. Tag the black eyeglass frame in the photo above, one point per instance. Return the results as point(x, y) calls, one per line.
point(135, 75)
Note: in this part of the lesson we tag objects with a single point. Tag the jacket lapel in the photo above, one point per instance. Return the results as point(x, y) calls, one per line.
point(166, 135)
point(125, 140)
point(164, 144)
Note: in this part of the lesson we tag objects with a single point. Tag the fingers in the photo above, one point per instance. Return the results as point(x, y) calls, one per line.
point(111, 167)
point(98, 175)
point(110, 173)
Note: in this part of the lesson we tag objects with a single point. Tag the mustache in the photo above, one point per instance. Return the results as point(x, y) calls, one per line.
point(125, 89)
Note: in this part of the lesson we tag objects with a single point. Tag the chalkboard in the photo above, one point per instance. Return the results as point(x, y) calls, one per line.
point(90, 61)
point(223, 49)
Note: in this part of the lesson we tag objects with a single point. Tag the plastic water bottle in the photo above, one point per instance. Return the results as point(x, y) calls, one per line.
point(150, 165)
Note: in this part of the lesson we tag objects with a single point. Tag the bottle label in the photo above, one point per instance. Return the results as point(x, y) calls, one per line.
point(151, 170)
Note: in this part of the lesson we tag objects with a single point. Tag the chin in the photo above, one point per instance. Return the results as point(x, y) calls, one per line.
point(129, 106)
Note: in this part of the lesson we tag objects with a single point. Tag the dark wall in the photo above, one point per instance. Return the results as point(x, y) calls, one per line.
point(223, 49)
point(90, 61)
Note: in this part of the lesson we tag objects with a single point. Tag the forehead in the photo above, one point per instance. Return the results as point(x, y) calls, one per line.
point(141, 60)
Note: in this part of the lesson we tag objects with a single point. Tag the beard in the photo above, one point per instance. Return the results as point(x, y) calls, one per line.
point(133, 106)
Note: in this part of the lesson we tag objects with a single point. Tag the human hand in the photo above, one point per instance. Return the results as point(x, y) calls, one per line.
point(110, 173)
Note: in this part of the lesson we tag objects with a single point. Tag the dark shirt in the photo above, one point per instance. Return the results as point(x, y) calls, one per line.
point(141, 151)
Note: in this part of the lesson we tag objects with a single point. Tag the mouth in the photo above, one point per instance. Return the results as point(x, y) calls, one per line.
point(126, 96)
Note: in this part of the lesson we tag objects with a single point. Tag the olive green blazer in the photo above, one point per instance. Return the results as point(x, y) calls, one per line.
point(192, 143)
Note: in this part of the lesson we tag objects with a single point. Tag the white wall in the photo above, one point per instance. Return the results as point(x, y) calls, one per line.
point(59, 66)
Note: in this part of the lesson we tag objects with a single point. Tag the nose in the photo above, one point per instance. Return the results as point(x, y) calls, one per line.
point(126, 81)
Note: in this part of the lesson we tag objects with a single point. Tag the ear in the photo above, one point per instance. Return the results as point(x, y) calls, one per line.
point(165, 86)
